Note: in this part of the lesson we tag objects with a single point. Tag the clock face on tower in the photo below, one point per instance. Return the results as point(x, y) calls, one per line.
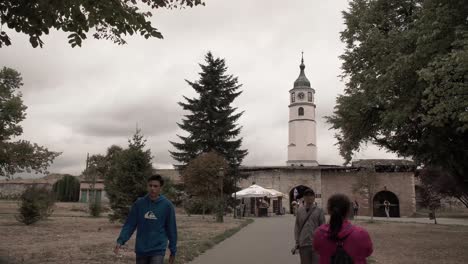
point(300, 96)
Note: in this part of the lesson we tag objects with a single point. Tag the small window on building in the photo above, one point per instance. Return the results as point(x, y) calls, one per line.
point(293, 97)
point(309, 96)
point(301, 111)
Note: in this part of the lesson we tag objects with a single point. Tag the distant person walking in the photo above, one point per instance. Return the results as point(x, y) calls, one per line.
point(294, 207)
point(387, 208)
point(355, 207)
point(340, 239)
point(309, 217)
point(153, 216)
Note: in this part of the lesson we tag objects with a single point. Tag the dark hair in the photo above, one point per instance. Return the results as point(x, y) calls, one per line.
point(156, 177)
point(338, 207)
point(308, 192)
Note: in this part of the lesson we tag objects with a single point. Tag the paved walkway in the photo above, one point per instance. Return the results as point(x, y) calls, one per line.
point(266, 241)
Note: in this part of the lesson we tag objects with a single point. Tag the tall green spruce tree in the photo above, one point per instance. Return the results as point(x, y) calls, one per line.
point(211, 121)
point(126, 175)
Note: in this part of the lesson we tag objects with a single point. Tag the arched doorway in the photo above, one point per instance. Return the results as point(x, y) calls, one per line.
point(379, 208)
point(299, 190)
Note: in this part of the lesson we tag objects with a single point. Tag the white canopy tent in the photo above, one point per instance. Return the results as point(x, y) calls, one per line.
point(275, 193)
point(257, 191)
point(256, 200)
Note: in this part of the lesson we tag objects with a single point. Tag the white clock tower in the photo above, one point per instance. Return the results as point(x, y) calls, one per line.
point(302, 147)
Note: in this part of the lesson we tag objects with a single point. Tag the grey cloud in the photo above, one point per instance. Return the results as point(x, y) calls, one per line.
point(118, 121)
point(85, 99)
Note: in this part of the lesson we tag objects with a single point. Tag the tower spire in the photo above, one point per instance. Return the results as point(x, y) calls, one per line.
point(302, 80)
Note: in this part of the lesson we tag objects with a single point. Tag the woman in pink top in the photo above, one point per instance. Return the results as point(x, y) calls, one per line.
point(356, 241)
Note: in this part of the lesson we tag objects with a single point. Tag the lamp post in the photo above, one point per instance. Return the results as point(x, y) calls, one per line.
point(221, 205)
point(235, 195)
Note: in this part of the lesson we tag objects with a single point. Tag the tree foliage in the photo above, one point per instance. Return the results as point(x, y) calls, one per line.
point(125, 177)
point(204, 178)
point(67, 189)
point(174, 192)
point(432, 190)
point(441, 184)
point(98, 165)
point(211, 121)
point(36, 203)
point(106, 19)
point(22, 155)
point(406, 66)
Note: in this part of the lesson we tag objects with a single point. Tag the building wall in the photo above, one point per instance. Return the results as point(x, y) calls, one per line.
point(326, 182)
point(86, 194)
point(172, 174)
point(400, 183)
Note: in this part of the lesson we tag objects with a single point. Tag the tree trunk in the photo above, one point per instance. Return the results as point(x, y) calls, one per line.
point(203, 210)
point(434, 214)
point(220, 211)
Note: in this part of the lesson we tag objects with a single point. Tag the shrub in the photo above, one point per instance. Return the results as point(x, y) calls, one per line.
point(199, 206)
point(95, 209)
point(36, 203)
point(174, 192)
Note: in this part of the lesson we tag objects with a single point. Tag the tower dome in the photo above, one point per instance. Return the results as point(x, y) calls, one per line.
point(302, 80)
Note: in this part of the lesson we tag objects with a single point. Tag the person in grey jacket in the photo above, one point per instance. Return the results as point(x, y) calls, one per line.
point(309, 217)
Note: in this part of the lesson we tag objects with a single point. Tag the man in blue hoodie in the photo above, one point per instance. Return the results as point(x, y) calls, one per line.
point(153, 216)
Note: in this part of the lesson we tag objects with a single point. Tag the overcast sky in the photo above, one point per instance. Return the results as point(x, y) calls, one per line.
point(85, 99)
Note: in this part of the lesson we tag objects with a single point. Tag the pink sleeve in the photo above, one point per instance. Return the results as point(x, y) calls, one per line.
point(367, 243)
point(316, 238)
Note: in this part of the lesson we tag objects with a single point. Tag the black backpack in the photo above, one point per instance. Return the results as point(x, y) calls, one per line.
point(340, 256)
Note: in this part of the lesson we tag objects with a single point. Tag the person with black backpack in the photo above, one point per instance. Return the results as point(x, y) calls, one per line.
point(340, 242)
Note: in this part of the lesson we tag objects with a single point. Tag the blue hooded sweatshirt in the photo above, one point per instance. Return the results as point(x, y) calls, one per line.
point(155, 223)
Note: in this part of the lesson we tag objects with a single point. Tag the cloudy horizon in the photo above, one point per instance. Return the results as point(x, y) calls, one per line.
point(83, 100)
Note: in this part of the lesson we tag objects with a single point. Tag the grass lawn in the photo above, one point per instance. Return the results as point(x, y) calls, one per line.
point(458, 213)
point(70, 236)
point(403, 243)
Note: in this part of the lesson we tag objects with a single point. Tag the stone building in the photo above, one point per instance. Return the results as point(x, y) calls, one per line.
point(393, 183)
point(88, 190)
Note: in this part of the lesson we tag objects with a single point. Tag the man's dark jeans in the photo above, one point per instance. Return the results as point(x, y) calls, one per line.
point(150, 260)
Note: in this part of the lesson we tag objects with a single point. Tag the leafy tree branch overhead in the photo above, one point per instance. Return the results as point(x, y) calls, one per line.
point(22, 155)
point(406, 65)
point(106, 19)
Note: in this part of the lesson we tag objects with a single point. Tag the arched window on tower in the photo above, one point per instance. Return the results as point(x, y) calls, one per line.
point(293, 97)
point(300, 111)
point(309, 96)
